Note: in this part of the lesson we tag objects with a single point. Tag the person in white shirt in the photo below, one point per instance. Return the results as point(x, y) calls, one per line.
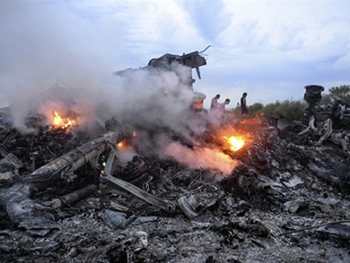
point(222, 106)
point(214, 102)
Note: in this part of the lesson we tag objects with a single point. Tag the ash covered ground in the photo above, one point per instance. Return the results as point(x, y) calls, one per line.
point(286, 200)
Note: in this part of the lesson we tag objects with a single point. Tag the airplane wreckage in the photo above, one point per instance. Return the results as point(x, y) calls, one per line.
point(265, 190)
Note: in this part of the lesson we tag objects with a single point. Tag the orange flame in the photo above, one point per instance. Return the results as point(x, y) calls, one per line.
point(125, 143)
point(235, 142)
point(58, 121)
point(121, 145)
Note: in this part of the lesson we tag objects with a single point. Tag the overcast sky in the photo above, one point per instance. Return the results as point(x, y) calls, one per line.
point(269, 49)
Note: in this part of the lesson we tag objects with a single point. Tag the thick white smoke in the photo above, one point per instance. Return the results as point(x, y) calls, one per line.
point(52, 46)
point(196, 157)
point(50, 66)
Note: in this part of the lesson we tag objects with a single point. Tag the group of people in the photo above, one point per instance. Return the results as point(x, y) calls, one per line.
point(218, 113)
point(215, 105)
point(221, 107)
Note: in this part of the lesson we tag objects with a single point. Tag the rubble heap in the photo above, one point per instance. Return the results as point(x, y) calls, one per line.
point(285, 201)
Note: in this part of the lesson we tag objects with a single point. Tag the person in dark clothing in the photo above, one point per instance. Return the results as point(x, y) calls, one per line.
point(244, 107)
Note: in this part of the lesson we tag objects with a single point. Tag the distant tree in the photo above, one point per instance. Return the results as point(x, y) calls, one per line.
point(293, 110)
point(255, 108)
point(270, 109)
point(337, 93)
point(252, 109)
point(342, 92)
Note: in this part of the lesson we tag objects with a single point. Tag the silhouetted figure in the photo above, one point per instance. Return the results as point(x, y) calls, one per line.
point(244, 107)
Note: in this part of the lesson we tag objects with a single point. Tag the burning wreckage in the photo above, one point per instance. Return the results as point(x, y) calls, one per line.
point(238, 190)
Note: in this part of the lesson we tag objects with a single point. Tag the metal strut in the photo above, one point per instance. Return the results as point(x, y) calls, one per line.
point(166, 205)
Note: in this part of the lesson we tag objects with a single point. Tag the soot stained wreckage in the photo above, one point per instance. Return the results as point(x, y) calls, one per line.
point(66, 197)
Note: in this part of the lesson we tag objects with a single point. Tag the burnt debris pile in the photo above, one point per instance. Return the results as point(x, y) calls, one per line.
point(68, 196)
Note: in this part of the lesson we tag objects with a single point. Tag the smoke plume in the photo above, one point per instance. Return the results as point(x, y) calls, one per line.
point(49, 66)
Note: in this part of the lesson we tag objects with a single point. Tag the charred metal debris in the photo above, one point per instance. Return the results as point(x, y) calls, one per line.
point(67, 197)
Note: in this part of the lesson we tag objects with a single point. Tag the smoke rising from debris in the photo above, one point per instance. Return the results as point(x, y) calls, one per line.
point(45, 50)
point(199, 157)
point(50, 66)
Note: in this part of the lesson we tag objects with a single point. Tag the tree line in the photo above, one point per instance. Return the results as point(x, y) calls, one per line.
point(294, 109)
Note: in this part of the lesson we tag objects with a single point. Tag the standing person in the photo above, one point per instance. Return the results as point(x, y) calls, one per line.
point(214, 102)
point(244, 107)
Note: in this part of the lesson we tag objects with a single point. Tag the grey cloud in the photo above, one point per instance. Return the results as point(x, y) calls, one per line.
point(209, 17)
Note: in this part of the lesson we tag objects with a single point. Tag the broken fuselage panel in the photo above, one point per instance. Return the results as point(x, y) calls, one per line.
point(169, 62)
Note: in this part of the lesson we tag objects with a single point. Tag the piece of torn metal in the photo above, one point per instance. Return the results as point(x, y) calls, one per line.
point(73, 197)
point(16, 199)
point(323, 173)
point(166, 205)
point(114, 219)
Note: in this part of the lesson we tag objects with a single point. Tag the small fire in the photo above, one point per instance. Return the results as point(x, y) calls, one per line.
point(121, 145)
point(58, 121)
point(235, 142)
point(125, 143)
